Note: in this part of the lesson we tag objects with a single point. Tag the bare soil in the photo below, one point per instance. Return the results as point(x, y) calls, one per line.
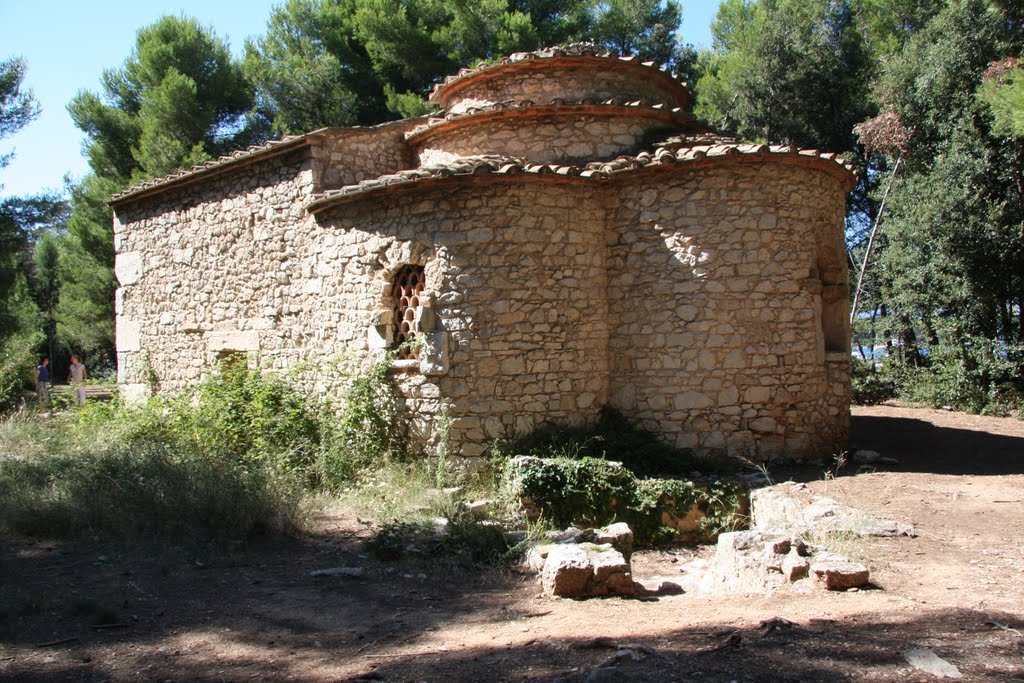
point(85, 612)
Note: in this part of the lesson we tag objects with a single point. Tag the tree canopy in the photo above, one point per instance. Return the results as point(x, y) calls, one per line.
point(178, 99)
point(346, 62)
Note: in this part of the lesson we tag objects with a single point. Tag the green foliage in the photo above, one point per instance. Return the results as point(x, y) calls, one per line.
point(595, 492)
point(643, 453)
point(256, 418)
point(977, 377)
point(461, 542)
point(1005, 97)
point(645, 28)
point(17, 368)
point(85, 311)
point(232, 457)
point(17, 105)
point(889, 24)
point(178, 96)
point(367, 429)
point(344, 62)
point(870, 385)
point(786, 71)
point(945, 288)
point(141, 492)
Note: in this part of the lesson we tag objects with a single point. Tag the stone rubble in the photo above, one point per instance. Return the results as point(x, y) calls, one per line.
point(763, 562)
point(791, 507)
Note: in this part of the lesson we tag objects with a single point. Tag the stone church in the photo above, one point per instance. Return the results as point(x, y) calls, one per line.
point(561, 236)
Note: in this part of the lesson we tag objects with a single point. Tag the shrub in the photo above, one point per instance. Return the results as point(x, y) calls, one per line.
point(255, 417)
point(979, 376)
point(366, 431)
point(596, 492)
point(870, 385)
point(17, 365)
point(612, 436)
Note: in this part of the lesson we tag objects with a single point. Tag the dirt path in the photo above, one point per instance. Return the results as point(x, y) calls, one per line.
point(85, 614)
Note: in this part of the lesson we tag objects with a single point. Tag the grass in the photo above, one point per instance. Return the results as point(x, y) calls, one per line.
point(62, 479)
point(244, 454)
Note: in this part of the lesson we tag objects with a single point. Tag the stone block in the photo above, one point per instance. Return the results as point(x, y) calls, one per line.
point(128, 335)
point(692, 400)
point(840, 574)
point(757, 395)
point(233, 340)
point(128, 267)
point(764, 425)
point(424, 319)
point(434, 353)
point(586, 570)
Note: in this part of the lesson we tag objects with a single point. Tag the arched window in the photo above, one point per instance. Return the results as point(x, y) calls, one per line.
point(405, 297)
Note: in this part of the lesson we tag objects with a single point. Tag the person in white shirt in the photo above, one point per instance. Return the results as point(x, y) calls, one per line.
point(78, 375)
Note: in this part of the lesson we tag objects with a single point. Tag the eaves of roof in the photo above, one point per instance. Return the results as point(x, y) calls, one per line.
point(518, 110)
point(567, 55)
point(674, 153)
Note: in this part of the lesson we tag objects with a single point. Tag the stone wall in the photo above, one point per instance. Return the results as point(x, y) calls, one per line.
point(715, 299)
point(707, 302)
point(209, 269)
point(346, 156)
point(600, 81)
point(560, 137)
point(516, 273)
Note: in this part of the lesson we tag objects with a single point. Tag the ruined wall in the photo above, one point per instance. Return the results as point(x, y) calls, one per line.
point(346, 156)
point(570, 83)
point(516, 273)
point(717, 338)
point(563, 137)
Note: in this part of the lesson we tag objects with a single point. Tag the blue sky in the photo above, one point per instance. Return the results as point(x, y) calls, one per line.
point(68, 43)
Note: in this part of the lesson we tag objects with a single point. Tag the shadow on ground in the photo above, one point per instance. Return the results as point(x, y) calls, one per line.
point(818, 651)
point(923, 447)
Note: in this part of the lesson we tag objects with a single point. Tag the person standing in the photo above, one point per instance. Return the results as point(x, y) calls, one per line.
point(43, 382)
point(77, 376)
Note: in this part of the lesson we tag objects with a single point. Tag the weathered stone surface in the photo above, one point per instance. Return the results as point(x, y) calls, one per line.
point(128, 335)
point(795, 567)
point(567, 572)
point(926, 660)
point(762, 562)
point(742, 564)
point(128, 267)
point(667, 295)
point(618, 535)
point(839, 574)
point(572, 570)
point(794, 508)
point(434, 353)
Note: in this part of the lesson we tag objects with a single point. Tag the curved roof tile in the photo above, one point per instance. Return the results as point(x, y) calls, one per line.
point(529, 105)
point(255, 151)
point(561, 51)
point(674, 151)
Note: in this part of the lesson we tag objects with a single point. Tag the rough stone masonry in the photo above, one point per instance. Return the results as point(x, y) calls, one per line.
point(564, 236)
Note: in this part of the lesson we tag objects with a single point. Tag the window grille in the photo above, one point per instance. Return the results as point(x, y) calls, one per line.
point(405, 297)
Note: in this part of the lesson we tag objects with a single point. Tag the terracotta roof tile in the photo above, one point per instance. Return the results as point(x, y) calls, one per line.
point(200, 169)
point(673, 151)
point(571, 50)
point(522, 105)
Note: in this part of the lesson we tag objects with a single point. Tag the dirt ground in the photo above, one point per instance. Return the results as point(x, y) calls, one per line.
point(87, 613)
